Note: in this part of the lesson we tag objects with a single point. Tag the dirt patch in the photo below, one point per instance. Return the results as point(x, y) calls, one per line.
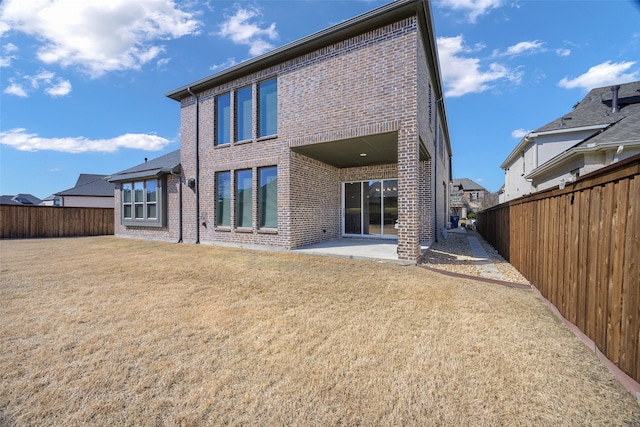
point(111, 331)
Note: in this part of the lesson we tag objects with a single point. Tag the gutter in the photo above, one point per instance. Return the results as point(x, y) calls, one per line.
point(197, 189)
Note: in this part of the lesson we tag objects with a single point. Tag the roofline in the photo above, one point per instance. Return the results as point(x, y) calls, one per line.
point(154, 172)
point(375, 18)
point(577, 152)
point(528, 138)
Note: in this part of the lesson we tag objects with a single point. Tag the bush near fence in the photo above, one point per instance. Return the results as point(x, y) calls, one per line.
point(18, 221)
point(580, 247)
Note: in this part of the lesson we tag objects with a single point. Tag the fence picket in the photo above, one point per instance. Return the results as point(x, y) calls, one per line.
point(580, 247)
point(19, 222)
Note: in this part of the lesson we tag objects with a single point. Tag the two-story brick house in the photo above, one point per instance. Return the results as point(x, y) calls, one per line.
point(342, 134)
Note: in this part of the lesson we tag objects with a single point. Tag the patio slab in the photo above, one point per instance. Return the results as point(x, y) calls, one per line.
point(379, 250)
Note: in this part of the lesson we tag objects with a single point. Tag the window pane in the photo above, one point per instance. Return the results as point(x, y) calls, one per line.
point(127, 211)
point(390, 206)
point(352, 208)
point(223, 198)
point(151, 190)
point(243, 114)
point(139, 211)
point(126, 192)
point(243, 198)
point(223, 119)
point(151, 211)
point(268, 107)
point(268, 207)
point(138, 190)
point(372, 205)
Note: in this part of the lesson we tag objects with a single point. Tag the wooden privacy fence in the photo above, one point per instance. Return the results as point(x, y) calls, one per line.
point(17, 221)
point(580, 247)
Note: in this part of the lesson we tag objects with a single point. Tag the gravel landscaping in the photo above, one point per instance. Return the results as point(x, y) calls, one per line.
point(453, 254)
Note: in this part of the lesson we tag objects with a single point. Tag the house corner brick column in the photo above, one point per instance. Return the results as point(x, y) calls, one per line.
point(408, 191)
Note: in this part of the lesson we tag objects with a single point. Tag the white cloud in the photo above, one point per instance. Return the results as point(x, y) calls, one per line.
point(241, 30)
point(162, 62)
point(224, 65)
point(525, 47)
point(21, 140)
point(62, 88)
point(15, 89)
point(52, 85)
point(519, 133)
point(604, 74)
point(9, 48)
point(563, 52)
point(6, 57)
point(98, 36)
point(473, 8)
point(464, 75)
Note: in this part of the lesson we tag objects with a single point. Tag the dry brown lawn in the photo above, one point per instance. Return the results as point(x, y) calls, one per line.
point(107, 331)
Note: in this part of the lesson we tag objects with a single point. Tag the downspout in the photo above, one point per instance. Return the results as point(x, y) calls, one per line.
point(197, 166)
point(179, 175)
point(435, 176)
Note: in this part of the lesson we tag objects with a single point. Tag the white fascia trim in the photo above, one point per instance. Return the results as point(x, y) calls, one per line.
point(567, 130)
point(579, 151)
point(532, 135)
point(516, 152)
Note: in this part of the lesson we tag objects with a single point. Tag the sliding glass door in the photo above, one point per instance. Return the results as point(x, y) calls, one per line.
point(370, 208)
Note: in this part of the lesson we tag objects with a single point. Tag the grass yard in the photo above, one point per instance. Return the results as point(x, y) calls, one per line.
point(108, 331)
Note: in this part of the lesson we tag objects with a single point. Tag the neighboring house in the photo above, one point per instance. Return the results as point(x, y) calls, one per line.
point(601, 129)
point(90, 191)
point(20, 199)
point(341, 134)
point(466, 196)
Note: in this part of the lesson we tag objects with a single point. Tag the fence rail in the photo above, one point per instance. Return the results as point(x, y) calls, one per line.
point(17, 221)
point(580, 247)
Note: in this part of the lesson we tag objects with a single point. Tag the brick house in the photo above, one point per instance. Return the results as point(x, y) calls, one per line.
point(466, 196)
point(341, 134)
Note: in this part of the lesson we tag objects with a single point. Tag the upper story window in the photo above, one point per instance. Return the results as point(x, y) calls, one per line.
point(244, 110)
point(142, 203)
point(223, 119)
point(255, 115)
point(268, 108)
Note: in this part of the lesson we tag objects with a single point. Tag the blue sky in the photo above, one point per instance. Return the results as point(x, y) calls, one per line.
point(82, 83)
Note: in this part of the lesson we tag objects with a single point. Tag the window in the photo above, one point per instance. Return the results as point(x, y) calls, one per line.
point(474, 196)
point(268, 108)
point(244, 111)
point(142, 203)
point(223, 199)
point(268, 197)
point(152, 199)
point(244, 203)
point(126, 200)
point(138, 200)
point(223, 119)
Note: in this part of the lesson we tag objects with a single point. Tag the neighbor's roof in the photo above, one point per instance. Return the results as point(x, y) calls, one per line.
point(594, 113)
point(20, 199)
point(376, 18)
point(467, 184)
point(169, 163)
point(90, 185)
